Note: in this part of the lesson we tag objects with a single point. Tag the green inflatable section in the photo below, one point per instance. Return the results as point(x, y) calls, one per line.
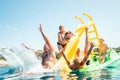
point(111, 60)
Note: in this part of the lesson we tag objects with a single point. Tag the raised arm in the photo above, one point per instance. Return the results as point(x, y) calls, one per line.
point(28, 48)
point(66, 59)
point(25, 46)
point(33, 50)
point(86, 41)
point(88, 53)
point(46, 39)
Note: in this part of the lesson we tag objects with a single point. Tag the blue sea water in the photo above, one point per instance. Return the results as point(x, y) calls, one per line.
point(22, 61)
point(102, 74)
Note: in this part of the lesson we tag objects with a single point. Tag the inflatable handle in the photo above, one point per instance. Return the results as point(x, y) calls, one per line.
point(91, 23)
point(77, 17)
point(90, 18)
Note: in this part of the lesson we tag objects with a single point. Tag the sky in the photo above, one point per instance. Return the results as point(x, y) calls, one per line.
point(20, 19)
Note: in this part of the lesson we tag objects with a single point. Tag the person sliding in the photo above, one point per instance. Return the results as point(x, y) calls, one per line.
point(79, 62)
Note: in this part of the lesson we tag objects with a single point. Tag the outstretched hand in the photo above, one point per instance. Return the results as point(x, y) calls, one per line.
point(92, 44)
point(86, 28)
point(25, 46)
point(40, 28)
point(22, 44)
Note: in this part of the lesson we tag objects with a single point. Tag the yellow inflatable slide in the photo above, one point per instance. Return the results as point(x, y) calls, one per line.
point(74, 43)
point(72, 46)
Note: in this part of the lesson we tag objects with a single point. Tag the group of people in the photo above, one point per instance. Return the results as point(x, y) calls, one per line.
point(49, 55)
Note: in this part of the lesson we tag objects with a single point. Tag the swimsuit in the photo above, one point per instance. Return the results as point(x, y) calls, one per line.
point(63, 45)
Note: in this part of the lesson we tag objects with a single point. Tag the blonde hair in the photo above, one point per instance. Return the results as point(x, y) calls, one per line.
point(101, 39)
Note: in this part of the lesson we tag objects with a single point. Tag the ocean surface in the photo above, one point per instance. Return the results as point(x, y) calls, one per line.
point(23, 62)
point(102, 74)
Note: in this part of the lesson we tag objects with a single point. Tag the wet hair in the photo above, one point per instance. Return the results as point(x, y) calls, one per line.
point(76, 61)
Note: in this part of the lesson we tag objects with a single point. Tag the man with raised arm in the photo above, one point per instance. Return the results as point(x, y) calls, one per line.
point(48, 55)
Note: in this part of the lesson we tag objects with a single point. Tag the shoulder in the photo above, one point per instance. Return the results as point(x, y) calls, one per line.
point(52, 51)
point(104, 44)
point(59, 32)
